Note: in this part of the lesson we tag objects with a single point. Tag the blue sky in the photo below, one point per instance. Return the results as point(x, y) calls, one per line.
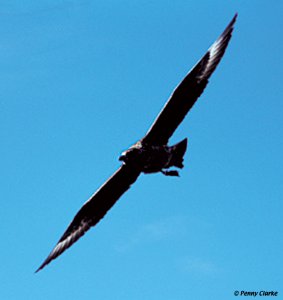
point(83, 80)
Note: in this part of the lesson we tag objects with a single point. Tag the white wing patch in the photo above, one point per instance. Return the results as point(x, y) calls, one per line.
point(217, 50)
point(67, 242)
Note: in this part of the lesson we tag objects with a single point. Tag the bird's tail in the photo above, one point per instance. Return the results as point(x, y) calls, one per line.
point(178, 152)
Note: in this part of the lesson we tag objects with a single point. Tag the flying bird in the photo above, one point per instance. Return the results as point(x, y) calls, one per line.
point(151, 154)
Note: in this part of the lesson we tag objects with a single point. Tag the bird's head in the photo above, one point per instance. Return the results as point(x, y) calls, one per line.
point(129, 155)
point(123, 157)
point(132, 154)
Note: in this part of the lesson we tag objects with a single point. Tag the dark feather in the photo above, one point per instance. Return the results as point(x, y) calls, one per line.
point(188, 91)
point(95, 209)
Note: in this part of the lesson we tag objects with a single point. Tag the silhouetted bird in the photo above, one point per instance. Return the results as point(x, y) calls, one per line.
point(151, 154)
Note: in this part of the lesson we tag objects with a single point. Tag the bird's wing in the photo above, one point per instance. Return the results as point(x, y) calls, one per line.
point(188, 91)
point(95, 209)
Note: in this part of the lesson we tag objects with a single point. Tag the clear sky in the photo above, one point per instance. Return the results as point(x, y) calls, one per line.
point(83, 80)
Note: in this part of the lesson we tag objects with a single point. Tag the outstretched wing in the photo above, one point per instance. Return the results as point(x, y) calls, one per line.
point(95, 209)
point(188, 91)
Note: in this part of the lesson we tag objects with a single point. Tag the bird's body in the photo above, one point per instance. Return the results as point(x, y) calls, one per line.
point(155, 158)
point(151, 154)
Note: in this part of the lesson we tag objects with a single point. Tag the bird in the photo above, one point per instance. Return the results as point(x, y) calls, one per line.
point(151, 154)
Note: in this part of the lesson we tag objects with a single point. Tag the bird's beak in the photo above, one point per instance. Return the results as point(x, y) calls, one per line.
point(123, 157)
